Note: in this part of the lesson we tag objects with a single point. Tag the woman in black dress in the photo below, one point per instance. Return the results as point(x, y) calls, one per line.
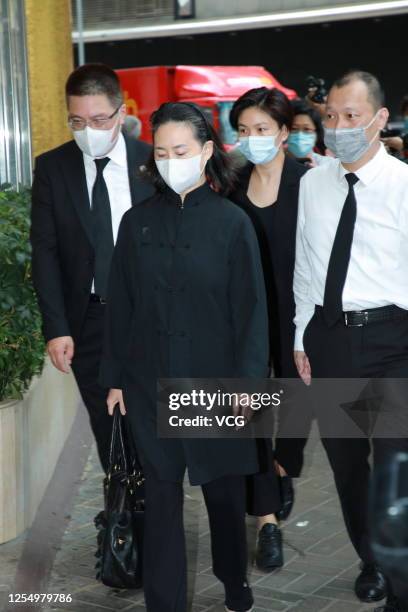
point(186, 299)
point(267, 191)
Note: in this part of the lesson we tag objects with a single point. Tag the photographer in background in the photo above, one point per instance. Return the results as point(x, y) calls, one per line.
point(316, 94)
point(396, 139)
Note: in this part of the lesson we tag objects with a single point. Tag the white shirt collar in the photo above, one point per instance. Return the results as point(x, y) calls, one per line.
point(370, 170)
point(118, 153)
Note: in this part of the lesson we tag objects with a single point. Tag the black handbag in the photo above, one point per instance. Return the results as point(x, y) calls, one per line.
point(120, 525)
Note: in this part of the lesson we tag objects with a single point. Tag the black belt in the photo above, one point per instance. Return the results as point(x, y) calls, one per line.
point(97, 298)
point(359, 318)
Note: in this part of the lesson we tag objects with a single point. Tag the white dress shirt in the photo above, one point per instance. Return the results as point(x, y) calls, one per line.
point(116, 178)
point(321, 160)
point(378, 269)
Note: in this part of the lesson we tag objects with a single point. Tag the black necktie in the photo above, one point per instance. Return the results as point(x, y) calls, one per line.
point(340, 257)
point(102, 228)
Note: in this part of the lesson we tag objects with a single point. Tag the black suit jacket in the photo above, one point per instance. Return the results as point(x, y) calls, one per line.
point(61, 236)
point(278, 258)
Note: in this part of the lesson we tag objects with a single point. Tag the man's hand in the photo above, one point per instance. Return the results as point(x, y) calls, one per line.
point(303, 367)
point(61, 351)
point(115, 396)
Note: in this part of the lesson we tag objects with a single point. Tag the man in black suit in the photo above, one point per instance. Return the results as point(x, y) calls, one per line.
point(80, 192)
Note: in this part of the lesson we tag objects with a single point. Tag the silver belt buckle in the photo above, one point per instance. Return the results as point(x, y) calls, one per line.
point(364, 312)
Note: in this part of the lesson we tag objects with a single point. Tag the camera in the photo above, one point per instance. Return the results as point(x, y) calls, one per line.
point(390, 133)
point(318, 87)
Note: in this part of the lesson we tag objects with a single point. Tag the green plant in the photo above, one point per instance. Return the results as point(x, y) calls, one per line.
point(21, 344)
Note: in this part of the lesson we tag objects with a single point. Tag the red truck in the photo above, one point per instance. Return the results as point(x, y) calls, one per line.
point(213, 88)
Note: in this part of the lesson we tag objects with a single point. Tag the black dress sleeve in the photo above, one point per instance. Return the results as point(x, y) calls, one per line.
point(248, 304)
point(119, 310)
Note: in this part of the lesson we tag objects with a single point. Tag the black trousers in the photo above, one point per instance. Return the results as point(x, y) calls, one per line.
point(85, 366)
point(165, 571)
point(289, 450)
point(378, 350)
point(263, 491)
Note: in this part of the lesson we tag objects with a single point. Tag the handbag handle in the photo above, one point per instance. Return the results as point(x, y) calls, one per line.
point(117, 439)
point(131, 452)
point(126, 454)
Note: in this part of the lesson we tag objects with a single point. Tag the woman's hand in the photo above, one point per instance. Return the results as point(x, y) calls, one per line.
point(303, 367)
point(115, 396)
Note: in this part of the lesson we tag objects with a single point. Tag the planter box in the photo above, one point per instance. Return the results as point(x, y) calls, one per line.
point(32, 434)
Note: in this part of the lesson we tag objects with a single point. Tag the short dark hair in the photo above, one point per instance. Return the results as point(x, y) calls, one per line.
point(375, 91)
point(94, 79)
point(301, 107)
point(219, 170)
point(271, 101)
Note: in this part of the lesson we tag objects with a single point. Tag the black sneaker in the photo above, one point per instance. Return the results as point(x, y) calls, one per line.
point(269, 553)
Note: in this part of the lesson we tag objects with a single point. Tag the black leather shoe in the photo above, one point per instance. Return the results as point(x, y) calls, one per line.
point(239, 599)
point(393, 605)
point(371, 584)
point(269, 553)
point(287, 496)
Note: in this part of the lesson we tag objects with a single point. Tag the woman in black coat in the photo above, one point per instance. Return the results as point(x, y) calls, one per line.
point(267, 191)
point(186, 299)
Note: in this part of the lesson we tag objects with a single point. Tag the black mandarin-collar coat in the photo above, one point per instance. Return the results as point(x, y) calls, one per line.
point(63, 256)
point(186, 299)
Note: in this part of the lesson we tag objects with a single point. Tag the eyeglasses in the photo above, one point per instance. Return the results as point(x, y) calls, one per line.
point(99, 123)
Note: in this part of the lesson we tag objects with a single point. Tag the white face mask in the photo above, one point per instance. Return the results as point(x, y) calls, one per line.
point(180, 174)
point(96, 143)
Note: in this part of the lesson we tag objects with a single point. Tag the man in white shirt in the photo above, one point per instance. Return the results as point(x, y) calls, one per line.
point(351, 288)
point(80, 192)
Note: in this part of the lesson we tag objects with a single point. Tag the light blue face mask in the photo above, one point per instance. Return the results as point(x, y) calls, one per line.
point(301, 144)
point(349, 144)
point(405, 125)
point(259, 149)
